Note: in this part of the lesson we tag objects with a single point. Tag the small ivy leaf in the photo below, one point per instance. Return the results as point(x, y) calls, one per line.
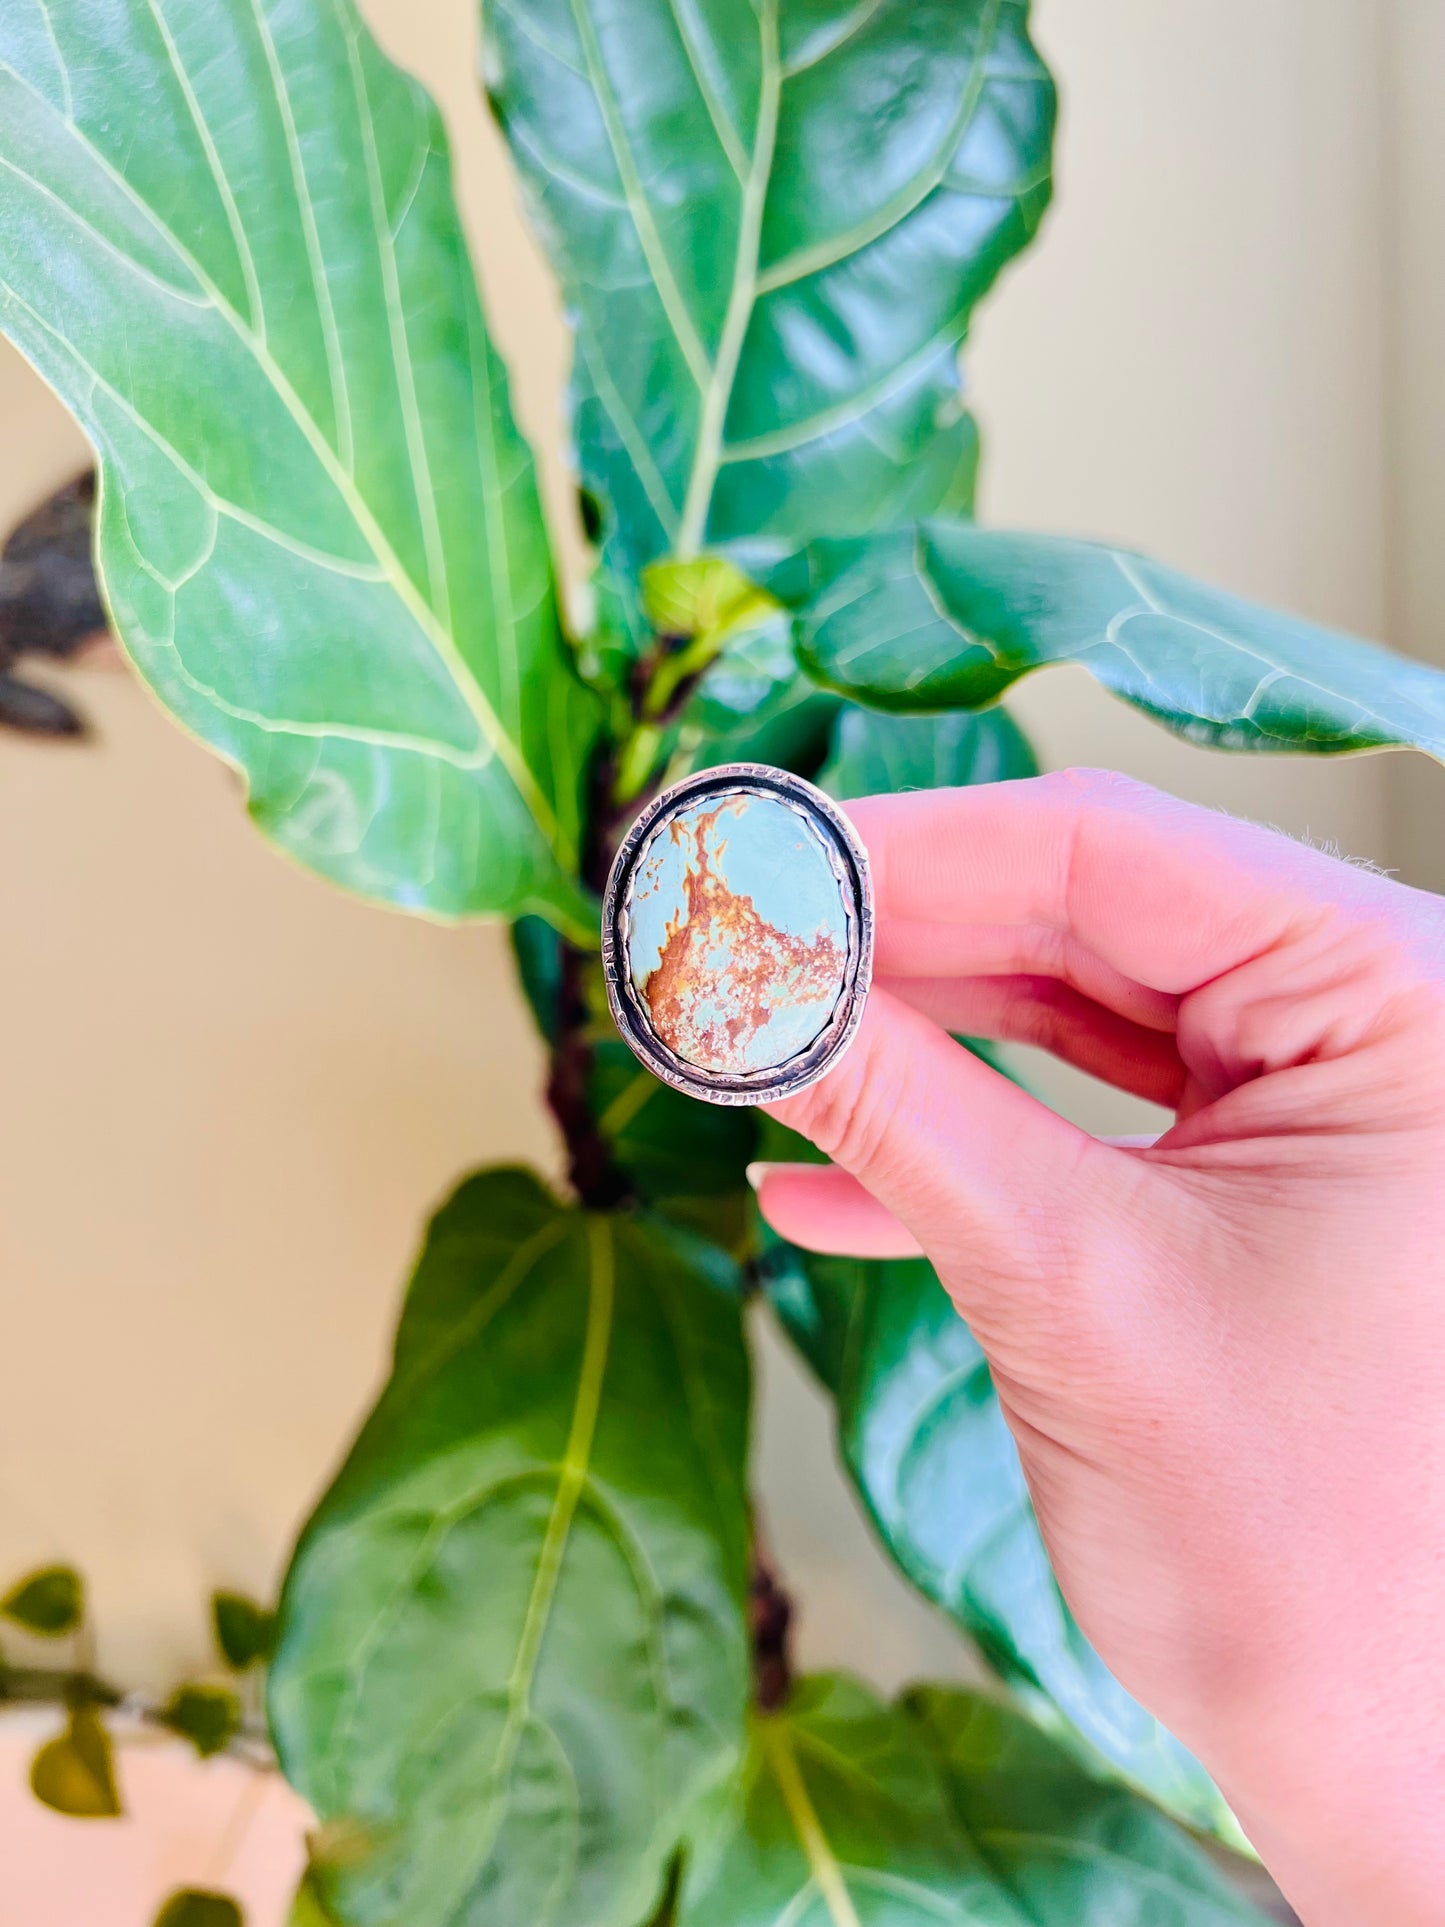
point(208, 1716)
point(49, 1602)
point(75, 1773)
point(194, 1907)
point(245, 1632)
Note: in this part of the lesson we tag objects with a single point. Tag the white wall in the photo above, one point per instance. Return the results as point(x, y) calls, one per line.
point(228, 1096)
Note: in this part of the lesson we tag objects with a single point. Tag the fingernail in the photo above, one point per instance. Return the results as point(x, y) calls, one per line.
point(755, 1173)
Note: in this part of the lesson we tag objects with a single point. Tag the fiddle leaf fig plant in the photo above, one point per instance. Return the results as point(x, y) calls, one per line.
point(530, 1664)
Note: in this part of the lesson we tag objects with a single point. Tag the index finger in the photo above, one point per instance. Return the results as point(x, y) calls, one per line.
point(1168, 894)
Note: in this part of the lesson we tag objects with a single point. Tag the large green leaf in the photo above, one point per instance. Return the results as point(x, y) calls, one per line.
point(772, 220)
point(947, 615)
point(512, 1646)
point(1069, 1847)
point(840, 1819)
point(926, 1443)
point(747, 714)
point(755, 675)
point(744, 714)
point(791, 732)
point(686, 1157)
point(875, 754)
point(227, 239)
point(850, 1813)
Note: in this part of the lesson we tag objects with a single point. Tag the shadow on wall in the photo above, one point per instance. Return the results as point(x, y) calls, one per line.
point(50, 607)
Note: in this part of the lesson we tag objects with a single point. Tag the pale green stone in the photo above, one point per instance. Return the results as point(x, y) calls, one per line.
point(738, 941)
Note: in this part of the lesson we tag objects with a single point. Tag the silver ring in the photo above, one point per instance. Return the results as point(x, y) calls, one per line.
point(721, 998)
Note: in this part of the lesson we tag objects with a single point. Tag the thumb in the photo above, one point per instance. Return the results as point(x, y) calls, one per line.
point(991, 1184)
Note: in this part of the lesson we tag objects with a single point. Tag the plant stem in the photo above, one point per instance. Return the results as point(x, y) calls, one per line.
point(59, 1687)
point(599, 1185)
point(620, 783)
point(54, 1685)
point(663, 679)
point(770, 1617)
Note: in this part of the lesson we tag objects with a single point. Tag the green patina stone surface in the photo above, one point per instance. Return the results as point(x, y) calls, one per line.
point(738, 938)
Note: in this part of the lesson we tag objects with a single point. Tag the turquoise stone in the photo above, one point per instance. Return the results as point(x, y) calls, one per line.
point(738, 932)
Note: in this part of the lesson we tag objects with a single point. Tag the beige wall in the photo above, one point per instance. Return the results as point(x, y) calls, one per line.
point(1412, 228)
point(228, 1095)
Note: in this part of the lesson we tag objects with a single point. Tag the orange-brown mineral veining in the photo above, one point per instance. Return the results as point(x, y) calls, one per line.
point(726, 974)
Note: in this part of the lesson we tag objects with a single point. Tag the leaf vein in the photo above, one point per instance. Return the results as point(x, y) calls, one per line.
point(315, 259)
point(239, 238)
point(664, 280)
point(829, 421)
point(723, 127)
point(398, 336)
point(67, 94)
point(823, 47)
point(741, 296)
point(837, 247)
point(777, 1741)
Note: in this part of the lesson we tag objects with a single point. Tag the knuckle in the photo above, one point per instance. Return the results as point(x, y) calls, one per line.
point(1084, 784)
point(847, 1113)
point(1033, 1014)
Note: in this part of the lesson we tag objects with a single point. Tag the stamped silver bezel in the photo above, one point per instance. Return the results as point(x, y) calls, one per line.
point(850, 863)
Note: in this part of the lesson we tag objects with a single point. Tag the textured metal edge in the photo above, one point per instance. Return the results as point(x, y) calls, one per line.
point(850, 859)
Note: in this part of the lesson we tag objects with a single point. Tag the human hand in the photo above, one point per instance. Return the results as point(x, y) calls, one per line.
point(1223, 1354)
